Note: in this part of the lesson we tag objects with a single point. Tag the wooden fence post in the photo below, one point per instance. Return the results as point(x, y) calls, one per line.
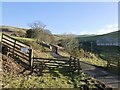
point(75, 64)
point(2, 37)
point(78, 66)
point(108, 63)
point(31, 57)
point(70, 61)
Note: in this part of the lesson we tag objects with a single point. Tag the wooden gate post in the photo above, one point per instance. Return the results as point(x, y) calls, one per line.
point(31, 57)
point(78, 66)
point(70, 61)
point(75, 63)
point(108, 63)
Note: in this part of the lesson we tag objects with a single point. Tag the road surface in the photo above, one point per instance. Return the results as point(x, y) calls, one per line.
point(96, 72)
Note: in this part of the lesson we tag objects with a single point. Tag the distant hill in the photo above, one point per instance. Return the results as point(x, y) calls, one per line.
point(63, 36)
point(109, 37)
point(86, 35)
point(12, 30)
point(113, 36)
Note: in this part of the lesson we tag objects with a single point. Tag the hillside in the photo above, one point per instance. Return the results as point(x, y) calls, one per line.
point(15, 75)
point(16, 78)
point(13, 30)
point(105, 38)
point(112, 35)
point(58, 76)
point(86, 35)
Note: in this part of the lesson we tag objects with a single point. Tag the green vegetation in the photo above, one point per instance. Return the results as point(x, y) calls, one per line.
point(38, 50)
point(53, 79)
point(108, 55)
point(38, 32)
point(96, 62)
point(50, 81)
point(24, 39)
point(87, 57)
point(56, 79)
point(112, 61)
point(63, 53)
point(96, 37)
point(103, 50)
point(45, 81)
point(91, 58)
point(70, 44)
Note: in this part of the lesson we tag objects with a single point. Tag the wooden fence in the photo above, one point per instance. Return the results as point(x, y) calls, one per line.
point(74, 63)
point(71, 65)
point(16, 49)
point(47, 63)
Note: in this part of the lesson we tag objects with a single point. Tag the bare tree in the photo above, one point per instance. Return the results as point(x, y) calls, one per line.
point(71, 45)
point(41, 34)
point(37, 30)
point(37, 25)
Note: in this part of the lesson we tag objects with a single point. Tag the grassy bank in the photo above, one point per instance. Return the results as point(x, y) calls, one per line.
point(51, 81)
point(25, 39)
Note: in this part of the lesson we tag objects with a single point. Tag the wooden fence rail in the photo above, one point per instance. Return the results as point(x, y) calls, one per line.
point(73, 64)
point(12, 47)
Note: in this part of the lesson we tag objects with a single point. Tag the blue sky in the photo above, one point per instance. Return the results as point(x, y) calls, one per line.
point(60, 18)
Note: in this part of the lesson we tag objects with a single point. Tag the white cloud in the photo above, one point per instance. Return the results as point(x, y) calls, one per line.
point(108, 29)
point(86, 32)
point(81, 32)
point(104, 30)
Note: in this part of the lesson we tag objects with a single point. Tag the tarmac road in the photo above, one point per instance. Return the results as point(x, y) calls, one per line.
point(96, 72)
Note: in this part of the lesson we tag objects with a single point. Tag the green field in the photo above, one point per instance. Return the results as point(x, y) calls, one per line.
point(25, 39)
